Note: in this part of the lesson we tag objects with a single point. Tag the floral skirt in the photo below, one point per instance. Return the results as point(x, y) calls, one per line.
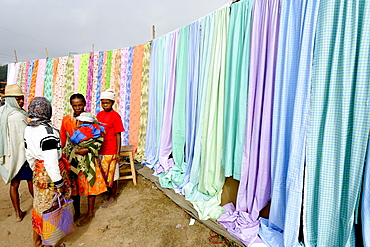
point(108, 166)
point(44, 191)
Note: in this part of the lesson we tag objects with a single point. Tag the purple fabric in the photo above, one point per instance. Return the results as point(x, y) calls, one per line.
point(254, 188)
point(165, 144)
point(90, 82)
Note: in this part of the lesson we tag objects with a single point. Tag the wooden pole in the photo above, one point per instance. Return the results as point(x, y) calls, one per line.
point(153, 32)
point(15, 56)
point(92, 47)
point(46, 52)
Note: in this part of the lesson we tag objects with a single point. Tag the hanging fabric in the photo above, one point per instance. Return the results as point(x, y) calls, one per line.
point(48, 80)
point(339, 123)
point(126, 122)
point(20, 76)
point(137, 70)
point(122, 93)
point(27, 82)
point(151, 127)
point(115, 76)
point(99, 79)
point(69, 85)
point(11, 74)
point(290, 118)
point(58, 92)
point(95, 83)
point(144, 103)
point(108, 70)
point(254, 187)
point(40, 78)
point(175, 176)
point(89, 87)
point(77, 64)
point(365, 208)
point(165, 145)
point(84, 70)
point(236, 87)
point(32, 85)
point(191, 100)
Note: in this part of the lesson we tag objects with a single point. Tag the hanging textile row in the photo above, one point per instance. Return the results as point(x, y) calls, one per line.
point(273, 93)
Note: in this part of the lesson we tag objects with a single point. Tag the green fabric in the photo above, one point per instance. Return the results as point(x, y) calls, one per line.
point(109, 69)
point(84, 163)
point(236, 87)
point(175, 176)
point(48, 79)
point(339, 123)
point(84, 68)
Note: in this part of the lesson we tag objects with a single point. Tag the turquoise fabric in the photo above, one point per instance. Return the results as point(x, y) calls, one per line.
point(339, 123)
point(236, 87)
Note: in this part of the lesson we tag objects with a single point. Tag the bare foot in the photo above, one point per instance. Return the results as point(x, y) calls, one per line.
point(85, 220)
point(20, 216)
point(76, 217)
point(110, 203)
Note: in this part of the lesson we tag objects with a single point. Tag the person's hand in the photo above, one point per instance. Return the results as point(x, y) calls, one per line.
point(60, 190)
point(117, 157)
point(82, 151)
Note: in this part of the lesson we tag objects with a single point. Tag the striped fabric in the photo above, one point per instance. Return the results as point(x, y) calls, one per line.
point(290, 115)
point(339, 123)
point(144, 103)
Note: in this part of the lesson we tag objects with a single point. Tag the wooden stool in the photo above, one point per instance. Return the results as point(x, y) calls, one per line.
point(128, 151)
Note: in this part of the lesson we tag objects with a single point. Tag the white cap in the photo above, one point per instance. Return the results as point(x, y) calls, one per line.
point(86, 117)
point(108, 94)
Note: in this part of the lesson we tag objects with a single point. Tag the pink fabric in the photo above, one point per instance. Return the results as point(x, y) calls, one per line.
point(40, 78)
point(122, 94)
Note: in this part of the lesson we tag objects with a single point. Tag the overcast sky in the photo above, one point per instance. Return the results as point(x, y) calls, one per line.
point(73, 26)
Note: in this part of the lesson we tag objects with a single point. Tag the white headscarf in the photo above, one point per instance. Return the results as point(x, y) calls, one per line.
point(108, 94)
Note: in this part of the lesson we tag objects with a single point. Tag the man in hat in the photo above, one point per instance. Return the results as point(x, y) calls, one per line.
point(13, 165)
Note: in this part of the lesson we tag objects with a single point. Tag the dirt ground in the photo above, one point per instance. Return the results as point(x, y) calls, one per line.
point(143, 216)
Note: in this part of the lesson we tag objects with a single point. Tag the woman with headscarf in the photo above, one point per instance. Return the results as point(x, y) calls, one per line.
point(13, 165)
point(43, 153)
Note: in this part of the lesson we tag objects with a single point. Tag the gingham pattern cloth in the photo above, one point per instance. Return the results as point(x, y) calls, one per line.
point(339, 123)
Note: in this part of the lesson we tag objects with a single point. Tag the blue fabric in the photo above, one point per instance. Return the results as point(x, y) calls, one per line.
point(151, 128)
point(126, 122)
point(365, 205)
point(78, 136)
point(99, 80)
point(192, 94)
point(290, 118)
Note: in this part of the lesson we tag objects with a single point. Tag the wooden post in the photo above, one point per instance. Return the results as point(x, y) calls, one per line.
point(92, 47)
point(153, 32)
point(15, 56)
point(47, 53)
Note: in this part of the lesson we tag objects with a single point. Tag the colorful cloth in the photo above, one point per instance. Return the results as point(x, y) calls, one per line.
point(69, 85)
point(44, 190)
point(126, 122)
point(85, 132)
point(108, 167)
point(58, 92)
point(40, 78)
point(48, 79)
point(144, 103)
point(339, 123)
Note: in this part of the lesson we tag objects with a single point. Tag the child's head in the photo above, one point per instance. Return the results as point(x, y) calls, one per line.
point(107, 99)
point(86, 118)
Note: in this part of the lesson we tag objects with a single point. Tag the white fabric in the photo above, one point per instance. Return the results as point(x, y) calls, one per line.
point(11, 74)
point(108, 94)
point(33, 136)
point(14, 160)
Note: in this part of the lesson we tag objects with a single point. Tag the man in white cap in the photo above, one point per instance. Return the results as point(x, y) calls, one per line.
point(13, 165)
